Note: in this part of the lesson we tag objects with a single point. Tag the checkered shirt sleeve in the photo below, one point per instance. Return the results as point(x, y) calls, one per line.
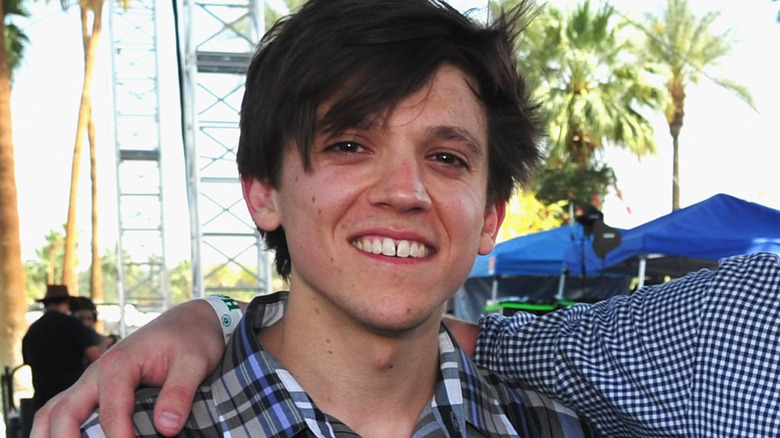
point(695, 357)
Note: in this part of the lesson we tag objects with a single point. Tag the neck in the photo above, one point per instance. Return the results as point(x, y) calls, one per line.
point(375, 382)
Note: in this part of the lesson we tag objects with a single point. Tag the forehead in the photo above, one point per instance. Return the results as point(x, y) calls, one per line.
point(449, 98)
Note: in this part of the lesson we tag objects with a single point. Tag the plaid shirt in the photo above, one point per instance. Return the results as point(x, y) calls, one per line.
point(251, 394)
point(696, 357)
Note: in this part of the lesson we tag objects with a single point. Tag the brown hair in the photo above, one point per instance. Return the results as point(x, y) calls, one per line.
point(368, 55)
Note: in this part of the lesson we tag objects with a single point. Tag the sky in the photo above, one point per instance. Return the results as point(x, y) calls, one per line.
point(726, 147)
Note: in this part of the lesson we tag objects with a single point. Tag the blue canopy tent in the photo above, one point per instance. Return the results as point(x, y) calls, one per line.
point(687, 239)
point(528, 268)
point(533, 254)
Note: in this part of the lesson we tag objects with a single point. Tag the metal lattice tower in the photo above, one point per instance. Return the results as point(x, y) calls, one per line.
point(217, 39)
point(141, 272)
point(214, 41)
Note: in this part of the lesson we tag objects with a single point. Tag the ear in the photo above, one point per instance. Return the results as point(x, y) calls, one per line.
point(494, 217)
point(261, 199)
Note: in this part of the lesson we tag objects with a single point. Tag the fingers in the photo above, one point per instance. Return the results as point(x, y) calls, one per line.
point(120, 376)
point(159, 354)
point(162, 355)
point(175, 399)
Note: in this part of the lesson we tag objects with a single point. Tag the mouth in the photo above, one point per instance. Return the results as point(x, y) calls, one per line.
point(392, 248)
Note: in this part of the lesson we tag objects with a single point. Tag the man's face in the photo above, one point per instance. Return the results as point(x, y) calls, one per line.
point(85, 316)
point(386, 224)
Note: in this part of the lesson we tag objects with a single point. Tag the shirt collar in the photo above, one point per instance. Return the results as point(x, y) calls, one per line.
point(250, 380)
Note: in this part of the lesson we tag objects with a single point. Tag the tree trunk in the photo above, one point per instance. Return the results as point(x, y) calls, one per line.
point(96, 279)
point(50, 267)
point(91, 41)
point(677, 91)
point(676, 170)
point(12, 275)
point(96, 271)
point(54, 243)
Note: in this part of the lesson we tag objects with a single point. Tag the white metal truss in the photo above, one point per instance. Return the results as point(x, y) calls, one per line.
point(142, 271)
point(216, 42)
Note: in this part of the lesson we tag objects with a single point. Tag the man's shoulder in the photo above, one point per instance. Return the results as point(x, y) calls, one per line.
point(764, 264)
point(49, 320)
point(536, 412)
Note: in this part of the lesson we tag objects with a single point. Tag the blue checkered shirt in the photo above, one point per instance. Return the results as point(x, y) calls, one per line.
point(251, 394)
point(695, 357)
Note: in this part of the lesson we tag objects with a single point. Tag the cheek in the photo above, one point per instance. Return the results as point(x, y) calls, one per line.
point(311, 201)
point(464, 216)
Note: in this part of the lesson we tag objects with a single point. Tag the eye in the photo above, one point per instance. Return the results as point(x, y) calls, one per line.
point(349, 147)
point(451, 159)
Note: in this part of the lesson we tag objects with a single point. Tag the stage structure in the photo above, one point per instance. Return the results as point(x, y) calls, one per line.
point(213, 43)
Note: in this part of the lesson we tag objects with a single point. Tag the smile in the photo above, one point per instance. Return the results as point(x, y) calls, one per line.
point(391, 248)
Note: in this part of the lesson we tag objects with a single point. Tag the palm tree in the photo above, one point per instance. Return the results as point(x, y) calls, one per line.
point(13, 303)
point(47, 269)
point(90, 39)
point(96, 267)
point(53, 255)
point(591, 86)
point(686, 49)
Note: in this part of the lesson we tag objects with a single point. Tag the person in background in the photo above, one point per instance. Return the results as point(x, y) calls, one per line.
point(55, 345)
point(83, 309)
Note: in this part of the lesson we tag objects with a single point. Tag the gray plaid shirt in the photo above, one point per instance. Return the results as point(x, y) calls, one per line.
point(252, 395)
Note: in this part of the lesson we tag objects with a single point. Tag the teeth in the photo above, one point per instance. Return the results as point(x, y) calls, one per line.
point(404, 248)
point(388, 247)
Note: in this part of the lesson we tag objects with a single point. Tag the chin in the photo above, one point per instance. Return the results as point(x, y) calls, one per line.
point(394, 324)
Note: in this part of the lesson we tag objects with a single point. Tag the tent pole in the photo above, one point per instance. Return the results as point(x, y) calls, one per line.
point(561, 285)
point(494, 289)
point(642, 268)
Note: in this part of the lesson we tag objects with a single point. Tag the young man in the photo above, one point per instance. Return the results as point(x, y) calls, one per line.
point(694, 357)
point(379, 143)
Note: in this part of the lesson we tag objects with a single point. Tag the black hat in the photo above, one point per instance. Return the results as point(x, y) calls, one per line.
point(55, 292)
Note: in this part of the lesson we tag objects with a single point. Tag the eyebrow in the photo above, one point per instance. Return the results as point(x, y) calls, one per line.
point(457, 134)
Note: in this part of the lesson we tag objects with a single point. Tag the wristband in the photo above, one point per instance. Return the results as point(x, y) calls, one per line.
point(227, 311)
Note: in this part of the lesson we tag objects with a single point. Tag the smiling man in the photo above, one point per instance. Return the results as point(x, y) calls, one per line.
point(380, 141)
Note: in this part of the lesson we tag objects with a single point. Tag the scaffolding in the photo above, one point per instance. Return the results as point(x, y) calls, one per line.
point(142, 270)
point(213, 43)
point(216, 44)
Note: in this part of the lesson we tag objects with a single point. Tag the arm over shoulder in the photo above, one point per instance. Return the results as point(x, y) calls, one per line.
point(683, 358)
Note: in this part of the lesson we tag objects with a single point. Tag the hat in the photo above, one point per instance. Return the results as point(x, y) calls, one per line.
point(54, 292)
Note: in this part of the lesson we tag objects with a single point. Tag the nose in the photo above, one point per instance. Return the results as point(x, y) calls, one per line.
point(401, 185)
